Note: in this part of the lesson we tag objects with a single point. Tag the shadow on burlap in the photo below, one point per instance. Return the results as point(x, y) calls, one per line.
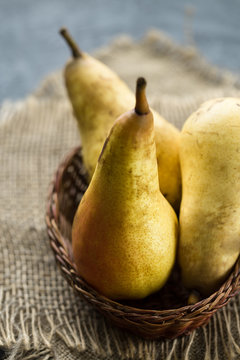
point(41, 317)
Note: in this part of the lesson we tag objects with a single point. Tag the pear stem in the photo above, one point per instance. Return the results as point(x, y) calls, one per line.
point(141, 107)
point(76, 52)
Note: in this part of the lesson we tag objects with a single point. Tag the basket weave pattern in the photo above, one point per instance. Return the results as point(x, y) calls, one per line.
point(162, 315)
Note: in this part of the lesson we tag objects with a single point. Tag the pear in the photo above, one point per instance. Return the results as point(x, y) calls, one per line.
point(209, 214)
point(98, 97)
point(124, 232)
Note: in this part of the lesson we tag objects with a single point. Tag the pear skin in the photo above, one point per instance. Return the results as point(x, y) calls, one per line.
point(98, 97)
point(124, 233)
point(209, 214)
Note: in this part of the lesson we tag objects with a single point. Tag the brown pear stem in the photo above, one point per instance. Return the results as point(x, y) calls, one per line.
point(76, 52)
point(141, 107)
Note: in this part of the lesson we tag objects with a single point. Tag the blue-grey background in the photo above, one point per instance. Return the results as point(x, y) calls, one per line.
point(30, 46)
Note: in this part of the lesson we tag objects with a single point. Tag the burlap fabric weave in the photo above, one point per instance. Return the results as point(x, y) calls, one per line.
point(41, 317)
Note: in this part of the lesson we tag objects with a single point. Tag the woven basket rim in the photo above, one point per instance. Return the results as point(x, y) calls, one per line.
point(209, 304)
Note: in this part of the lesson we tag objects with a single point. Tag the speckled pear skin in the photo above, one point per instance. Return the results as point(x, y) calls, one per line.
point(124, 231)
point(98, 97)
point(210, 209)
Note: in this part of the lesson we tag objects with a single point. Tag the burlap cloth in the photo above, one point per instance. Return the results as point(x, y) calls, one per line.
point(41, 317)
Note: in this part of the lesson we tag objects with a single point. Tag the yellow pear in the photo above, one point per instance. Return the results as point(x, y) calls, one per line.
point(124, 232)
point(98, 97)
point(210, 211)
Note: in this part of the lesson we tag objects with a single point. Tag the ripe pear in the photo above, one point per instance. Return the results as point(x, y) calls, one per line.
point(98, 97)
point(210, 211)
point(124, 232)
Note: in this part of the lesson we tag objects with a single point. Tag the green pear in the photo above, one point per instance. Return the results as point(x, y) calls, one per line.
point(210, 211)
point(124, 232)
point(98, 97)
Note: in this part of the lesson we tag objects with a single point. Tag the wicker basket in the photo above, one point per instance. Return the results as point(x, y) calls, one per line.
point(164, 314)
